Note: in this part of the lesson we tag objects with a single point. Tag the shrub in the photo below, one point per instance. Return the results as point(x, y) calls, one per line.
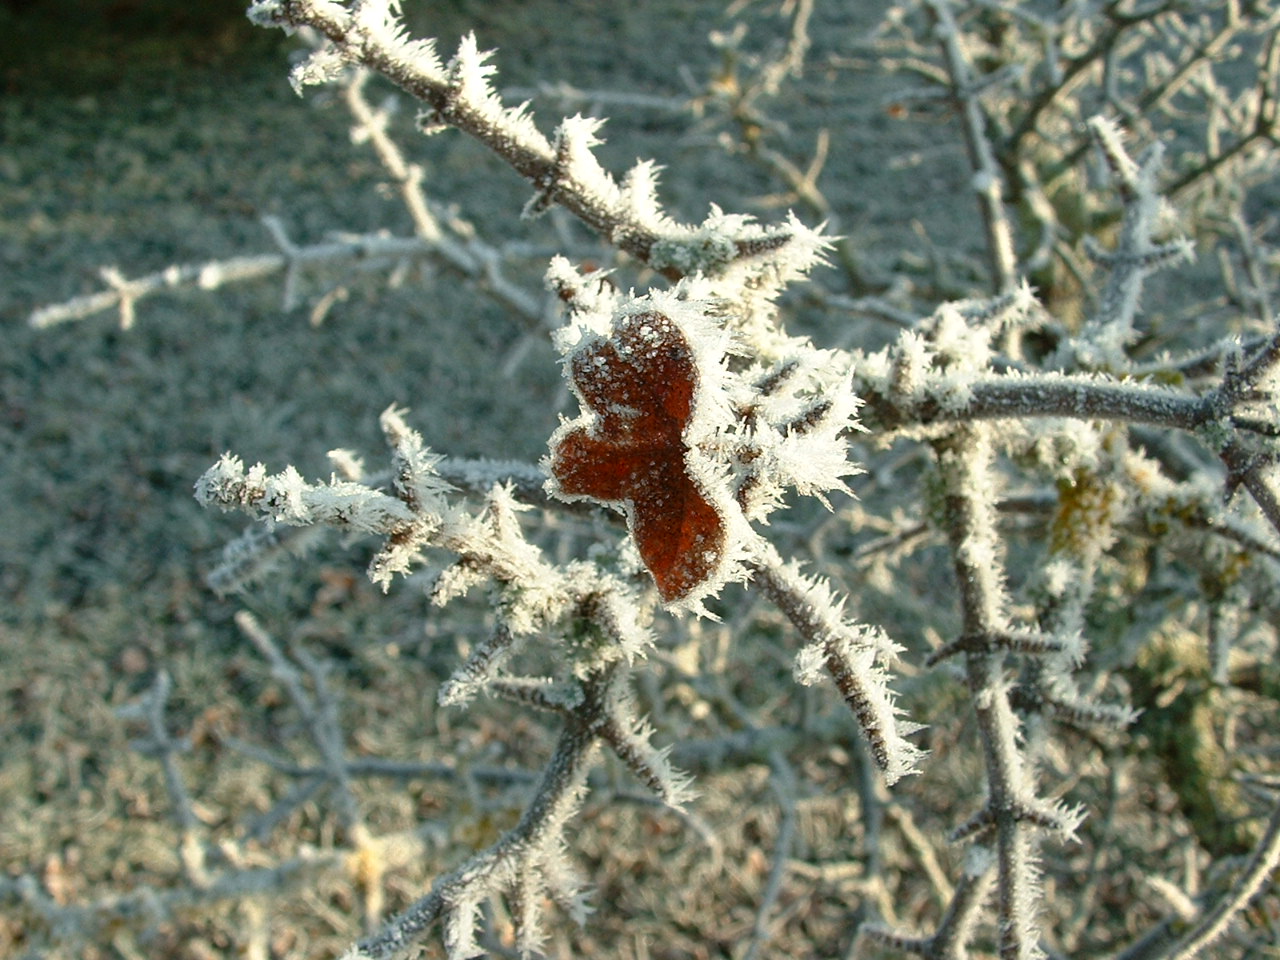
point(1049, 611)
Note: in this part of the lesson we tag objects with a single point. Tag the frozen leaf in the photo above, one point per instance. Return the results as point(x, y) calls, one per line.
point(639, 387)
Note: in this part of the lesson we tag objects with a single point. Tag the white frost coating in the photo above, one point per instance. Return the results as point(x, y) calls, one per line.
point(1005, 730)
point(264, 13)
point(415, 465)
point(469, 72)
point(1111, 139)
point(1056, 576)
point(965, 346)
point(541, 594)
point(705, 249)
point(348, 463)
point(1063, 445)
point(799, 440)
point(913, 357)
point(379, 20)
point(468, 78)
point(1025, 305)
point(1105, 336)
point(946, 366)
point(851, 654)
point(1072, 816)
point(810, 665)
point(325, 65)
point(210, 276)
point(460, 928)
point(1074, 648)
point(1149, 478)
point(981, 549)
point(379, 23)
point(953, 390)
point(743, 263)
point(1150, 164)
point(593, 299)
point(771, 258)
point(630, 735)
point(575, 140)
point(256, 553)
point(816, 462)
point(417, 516)
point(624, 613)
point(852, 658)
point(978, 859)
point(640, 197)
point(287, 498)
point(873, 369)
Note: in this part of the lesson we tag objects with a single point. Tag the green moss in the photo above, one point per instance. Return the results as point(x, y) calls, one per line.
point(701, 254)
point(1179, 708)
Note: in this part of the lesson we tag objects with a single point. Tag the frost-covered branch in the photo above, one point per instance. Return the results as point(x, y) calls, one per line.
point(562, 170)
point(529, 863)
point(264, 547)
point(465, 253)
point(1012, 809)
point(415, 516)
point(852, 654)
point(1015, 396)
point(1184, 935)
point(454, 245)
point(987, 178)
point(319, 714)
point(1137, 253)
point(160, 743)
point(956, 931)
point(370, 252)
point(1252, 881)
point(783, 783)
point(93, 920)
point(945, 370)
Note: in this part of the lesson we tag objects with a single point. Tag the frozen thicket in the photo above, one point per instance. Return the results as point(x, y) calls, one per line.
point(1042, 570)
